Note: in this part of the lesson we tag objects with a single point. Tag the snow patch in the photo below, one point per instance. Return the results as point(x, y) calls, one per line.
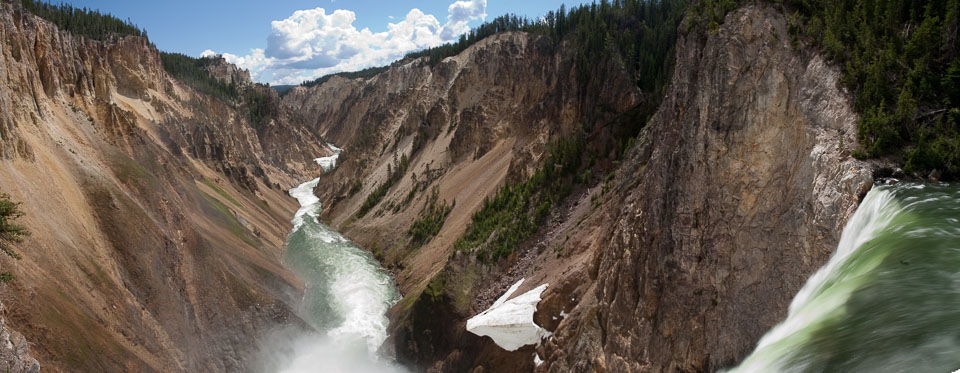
point(510, 291)
point(510, 322)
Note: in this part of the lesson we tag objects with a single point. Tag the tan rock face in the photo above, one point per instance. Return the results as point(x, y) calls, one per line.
point(229, 73)
point(158, 213)
point(737, 192)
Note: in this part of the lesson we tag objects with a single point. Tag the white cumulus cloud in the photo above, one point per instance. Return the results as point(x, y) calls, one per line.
point(312, 42)
point(462, 12)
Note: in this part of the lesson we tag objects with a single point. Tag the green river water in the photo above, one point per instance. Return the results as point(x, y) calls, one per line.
point(346, 298)
point(889, 298)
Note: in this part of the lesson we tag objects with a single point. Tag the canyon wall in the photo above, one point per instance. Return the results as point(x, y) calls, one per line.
point(737, 192)
point(467, 125)
point(734, 193)
point(158, 213)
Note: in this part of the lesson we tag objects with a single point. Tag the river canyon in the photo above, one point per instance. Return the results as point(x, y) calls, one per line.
point(687, 192)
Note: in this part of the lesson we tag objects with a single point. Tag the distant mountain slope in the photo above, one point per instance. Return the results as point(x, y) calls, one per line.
point(282, 89)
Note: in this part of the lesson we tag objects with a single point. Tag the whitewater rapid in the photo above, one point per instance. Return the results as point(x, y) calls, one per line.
point(346, 297)
point(889, 298)
point(329, 162)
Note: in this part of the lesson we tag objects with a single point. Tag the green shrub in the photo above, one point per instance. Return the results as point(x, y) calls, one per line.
point(261, 105)
point(10, 232)
point(394, 175)
point(517, 211)
point(356, 186)
point(430, 220)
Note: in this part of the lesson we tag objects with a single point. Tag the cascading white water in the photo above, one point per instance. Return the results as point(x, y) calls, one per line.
point(328, 163)
point(346, 298)
point(889, 298)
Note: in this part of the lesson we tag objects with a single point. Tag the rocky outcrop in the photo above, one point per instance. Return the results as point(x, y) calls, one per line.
point(737, 191)
point(511, 85)
point(109, 82)
point(14, 351)
point(228, 72)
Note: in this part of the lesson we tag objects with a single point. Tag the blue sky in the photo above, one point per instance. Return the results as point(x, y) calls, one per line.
point(293, 40)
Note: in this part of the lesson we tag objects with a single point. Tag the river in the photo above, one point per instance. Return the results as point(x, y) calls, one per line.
point(346, 297)
point(889, 298)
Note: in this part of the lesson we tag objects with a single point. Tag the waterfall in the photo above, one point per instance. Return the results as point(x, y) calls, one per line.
point(889, 298)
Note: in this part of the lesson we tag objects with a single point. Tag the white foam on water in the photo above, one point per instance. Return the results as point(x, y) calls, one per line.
point(829, 288)
point(329, 162)
point(351, 286)
point(309, 203)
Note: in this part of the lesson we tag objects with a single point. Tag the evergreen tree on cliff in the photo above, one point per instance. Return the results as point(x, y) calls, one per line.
point(9, 232)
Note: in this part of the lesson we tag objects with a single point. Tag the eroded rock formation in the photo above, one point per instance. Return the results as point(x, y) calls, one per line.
point(737, 192)
point(157, 212)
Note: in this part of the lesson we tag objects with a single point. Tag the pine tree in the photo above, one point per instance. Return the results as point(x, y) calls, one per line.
point(10, 232)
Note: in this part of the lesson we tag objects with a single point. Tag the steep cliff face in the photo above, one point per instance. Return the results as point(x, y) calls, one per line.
point(511, 85)
point(157, 213)
point(228, 72)
point(737, 192)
